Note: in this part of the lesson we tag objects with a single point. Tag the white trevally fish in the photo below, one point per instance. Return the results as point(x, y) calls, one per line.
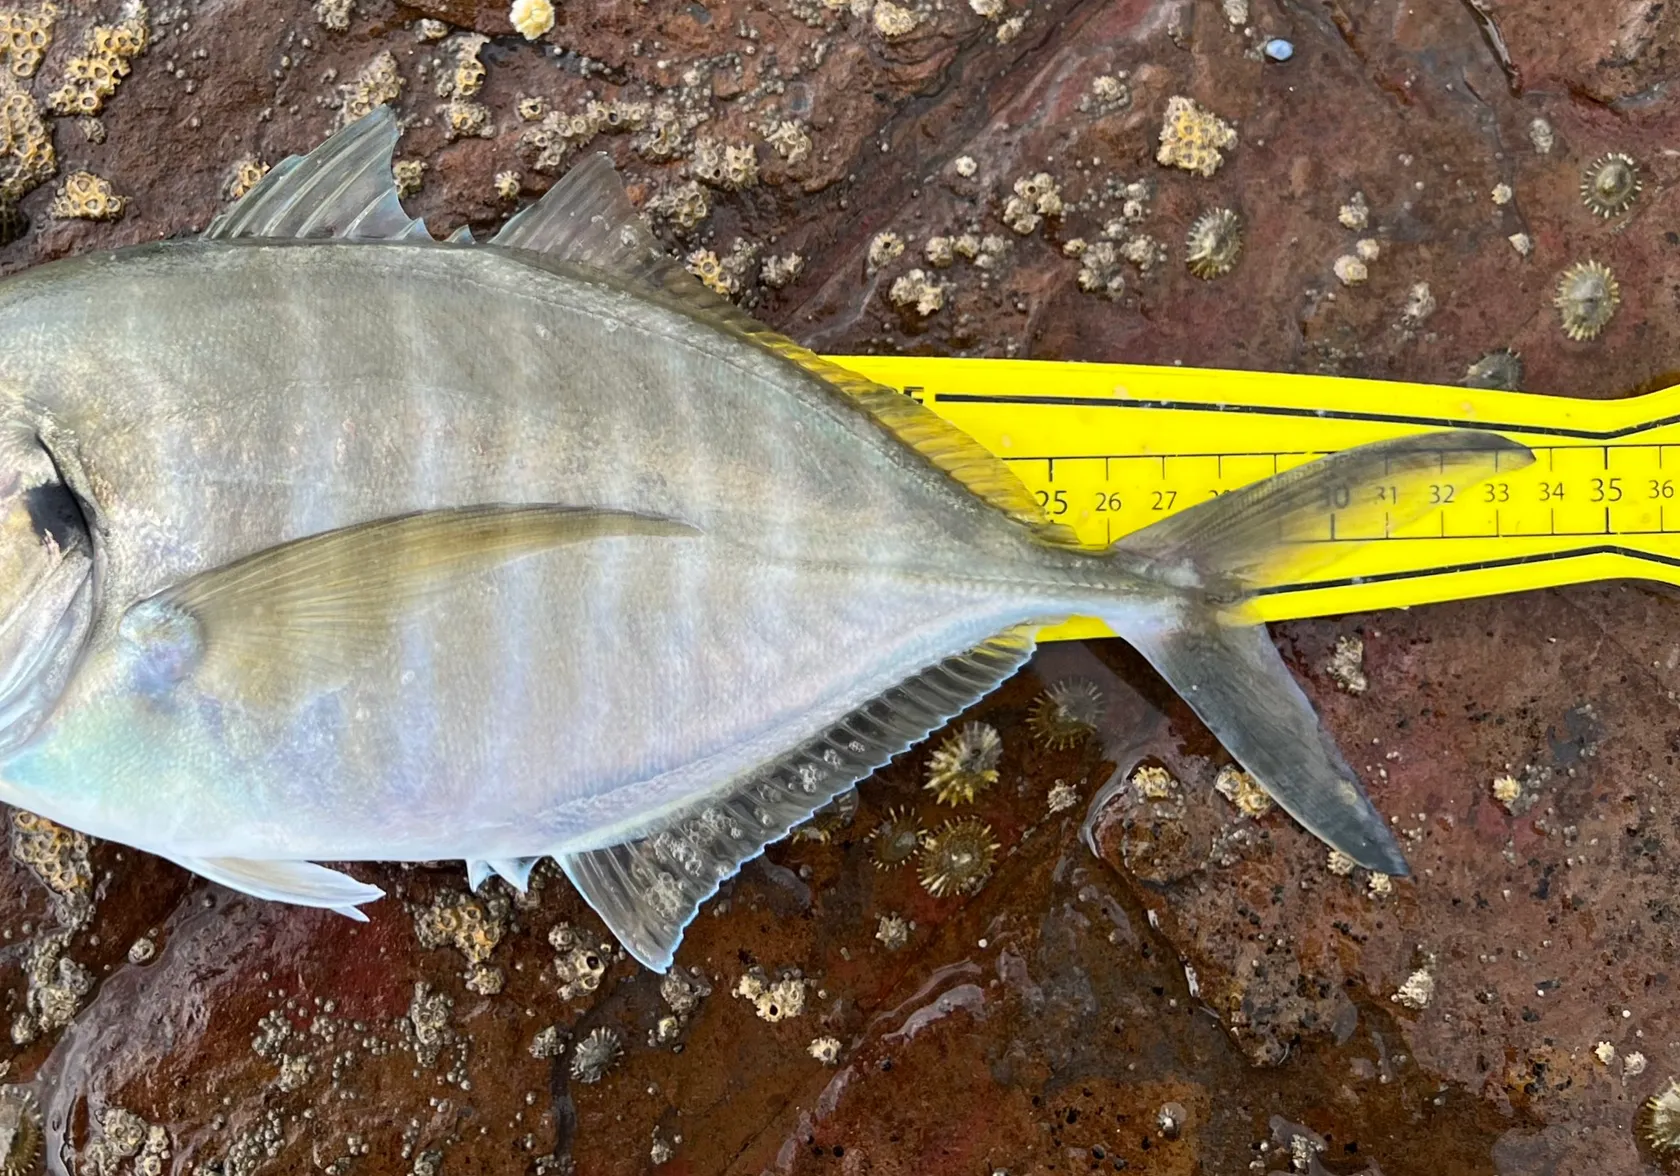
point(321, 539)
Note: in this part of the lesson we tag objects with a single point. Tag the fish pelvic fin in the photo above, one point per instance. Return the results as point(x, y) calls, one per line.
point(1274, 532)
point(648, 888)
point(312, 610)
point(586, 219)
point(342, 189)
point(302, 883)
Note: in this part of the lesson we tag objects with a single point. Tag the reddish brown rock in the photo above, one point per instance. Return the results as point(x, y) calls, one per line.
point(1044, 1023)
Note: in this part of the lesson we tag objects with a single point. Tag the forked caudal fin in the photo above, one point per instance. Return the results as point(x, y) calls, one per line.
point(1224, 664)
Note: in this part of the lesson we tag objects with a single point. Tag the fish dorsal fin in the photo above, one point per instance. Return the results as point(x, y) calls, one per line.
point(308, 612)
point(343, 189)
point(587, 219)
point(648, 889)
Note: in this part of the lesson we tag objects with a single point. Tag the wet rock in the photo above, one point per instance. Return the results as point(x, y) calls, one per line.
point(1208, 961)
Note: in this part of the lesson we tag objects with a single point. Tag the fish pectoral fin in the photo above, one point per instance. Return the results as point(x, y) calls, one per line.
point(1234, 680)
point(343, 189)
point(516, 872)
point(1275, 531)
point(313, 608)
point(648, 888)
point(303, 883)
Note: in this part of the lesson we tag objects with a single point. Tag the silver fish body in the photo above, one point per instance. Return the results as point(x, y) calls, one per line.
point(560, 700)
point(379, 548)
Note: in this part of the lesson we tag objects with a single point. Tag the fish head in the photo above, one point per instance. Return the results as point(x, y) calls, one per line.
point(46, 582)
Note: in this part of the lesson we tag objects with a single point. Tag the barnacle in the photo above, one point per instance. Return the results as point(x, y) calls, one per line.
point(1240, 789)
point(1099, 270)
point(916, 290)
point(1066, 713)
point(1062, 795)
point(1587, 295)
point(1350, 270)
point(884, 247)
point(93, 75)
point(1500, 369)
point(1036, 197)
point(247, 173)
point(1214, 244)
point(683, 205)
point(777, 272)
point(789, 139)
point(705, 265)
point(595, 1054)
point(895, 840)
point(893, 931)
point(473, 925)
point(27, 159)
point(1153, 782)
point(772, 1000)
point(892, 21)
point(20, 1130)
point(58, 856)
point(25, 37)
point(826, 1050)
point(532, 18)
point(578, 964)
point(1610, 184)
point(466, 120)
point(379, 84)
point(965, 764)
point(728, 166)
point(408, 174)
point(1192, 138)
point(1659, 1120)
point(507, 185)
point(958, 858)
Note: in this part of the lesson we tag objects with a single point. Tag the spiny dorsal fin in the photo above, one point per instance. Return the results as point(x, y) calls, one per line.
point(586, 219)
point(647, 889)
point(343, 189)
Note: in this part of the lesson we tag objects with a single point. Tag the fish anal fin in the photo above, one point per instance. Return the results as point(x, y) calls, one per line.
point(303, 883)
point(308, 609)
point(516, 872)
point(342, 189)
point(1275, 531)
point(586, 219)
point(1233, 678)
point(647, 889)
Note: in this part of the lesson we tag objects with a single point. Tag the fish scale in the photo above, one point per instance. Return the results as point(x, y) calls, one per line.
point(410, 550)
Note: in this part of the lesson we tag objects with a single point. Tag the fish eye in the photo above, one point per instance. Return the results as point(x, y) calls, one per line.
point(55, 515)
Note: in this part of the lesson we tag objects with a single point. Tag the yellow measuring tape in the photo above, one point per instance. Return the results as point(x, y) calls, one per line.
point(1109, 448)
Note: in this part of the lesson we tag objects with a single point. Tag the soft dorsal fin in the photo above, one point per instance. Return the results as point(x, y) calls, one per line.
point(648, 889)
point(586, 219)
point(343, 189)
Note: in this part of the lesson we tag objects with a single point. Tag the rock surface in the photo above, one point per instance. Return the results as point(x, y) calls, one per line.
point(1201, 993)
